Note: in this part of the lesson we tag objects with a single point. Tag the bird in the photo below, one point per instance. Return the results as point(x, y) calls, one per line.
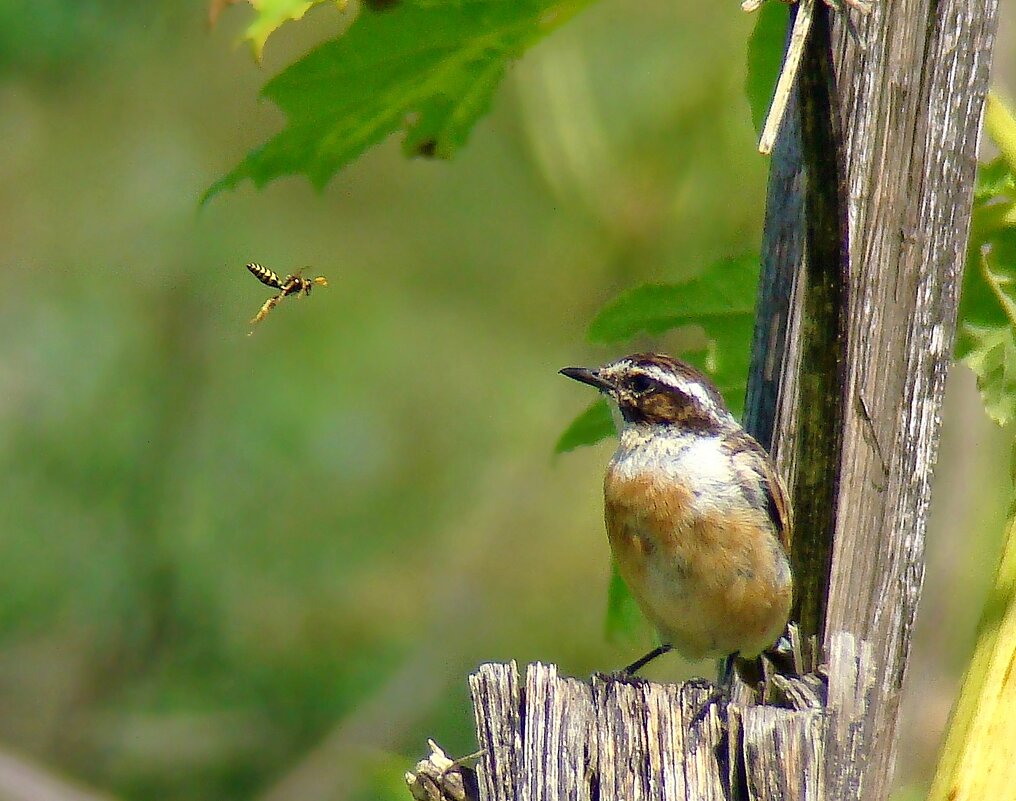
point(697, 516)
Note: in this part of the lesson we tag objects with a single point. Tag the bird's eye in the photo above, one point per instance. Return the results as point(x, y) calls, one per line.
point(640, 384)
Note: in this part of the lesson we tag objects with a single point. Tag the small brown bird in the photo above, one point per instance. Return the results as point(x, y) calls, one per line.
point(697, 517)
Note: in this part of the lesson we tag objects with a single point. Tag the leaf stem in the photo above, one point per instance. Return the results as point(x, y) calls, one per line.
point(995, 282)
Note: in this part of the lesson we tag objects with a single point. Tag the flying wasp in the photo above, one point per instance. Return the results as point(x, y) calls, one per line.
point(290, 285)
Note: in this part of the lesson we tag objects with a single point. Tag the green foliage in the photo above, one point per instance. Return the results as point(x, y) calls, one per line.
point(986, 332)
point(56, 39)
point(985, 339)
point(272, 14)
point(624, 618)
point(427, 67)
point(994, 178)
point(1001, 127)
point(594, 424)
point(765, 58)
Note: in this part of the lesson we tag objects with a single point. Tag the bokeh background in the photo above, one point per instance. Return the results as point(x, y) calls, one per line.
point(261, 567)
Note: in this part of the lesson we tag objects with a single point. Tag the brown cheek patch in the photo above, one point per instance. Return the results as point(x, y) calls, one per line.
point(664, 408)
point(658, 407)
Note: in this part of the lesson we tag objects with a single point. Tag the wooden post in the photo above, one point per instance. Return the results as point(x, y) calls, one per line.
point(906, 109)
point(912, 103)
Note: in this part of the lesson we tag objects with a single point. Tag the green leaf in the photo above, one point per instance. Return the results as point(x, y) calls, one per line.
point(988, 218)
point(1001, 127)
point(721, 300)
point(594, 424)
point(269, 17)
point(428, 67)
point(991, 354)
point(624, 618)
point(993, 179)
point(994, 209)
point(765, 59)
point(986, 334)
point(723, 291)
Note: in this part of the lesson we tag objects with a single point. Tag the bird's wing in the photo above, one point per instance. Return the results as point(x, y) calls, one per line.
point(757, 471)
point(778, 502)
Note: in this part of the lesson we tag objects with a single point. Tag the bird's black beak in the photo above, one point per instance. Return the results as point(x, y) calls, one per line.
point(587, 376)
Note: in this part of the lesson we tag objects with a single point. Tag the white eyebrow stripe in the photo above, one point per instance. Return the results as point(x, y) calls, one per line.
point(692, 388)
point(663, 376)
point(699, 391)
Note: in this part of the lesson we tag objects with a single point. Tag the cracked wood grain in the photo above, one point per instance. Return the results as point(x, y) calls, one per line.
point(910, 108)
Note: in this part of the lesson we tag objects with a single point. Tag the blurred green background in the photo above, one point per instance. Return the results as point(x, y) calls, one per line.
point(261, 567)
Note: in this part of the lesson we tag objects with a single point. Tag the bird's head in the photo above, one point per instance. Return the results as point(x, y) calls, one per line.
point(654, 389)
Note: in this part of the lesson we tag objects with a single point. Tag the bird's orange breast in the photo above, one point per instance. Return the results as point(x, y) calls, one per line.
point(712, 577)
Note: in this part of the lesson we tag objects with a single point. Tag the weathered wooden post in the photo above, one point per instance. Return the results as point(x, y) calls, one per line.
point(866, 231)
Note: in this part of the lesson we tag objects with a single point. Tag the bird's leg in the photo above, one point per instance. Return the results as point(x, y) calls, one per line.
point(642, 661)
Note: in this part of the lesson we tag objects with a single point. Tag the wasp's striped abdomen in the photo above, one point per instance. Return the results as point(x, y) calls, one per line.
point(266, 276)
